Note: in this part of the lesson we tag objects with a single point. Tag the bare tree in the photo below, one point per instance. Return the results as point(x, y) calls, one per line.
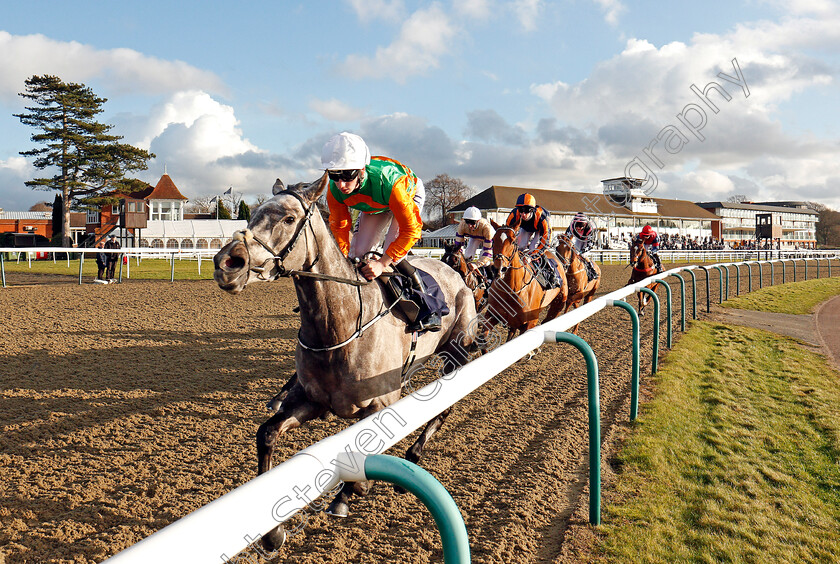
point(202, 204)
point(41, 206)
point(828, 225)
point(442, 194)
point(737, 199)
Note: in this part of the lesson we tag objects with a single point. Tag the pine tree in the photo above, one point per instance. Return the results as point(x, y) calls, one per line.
point(244, 211)
point(86, 158)
point(224, 212)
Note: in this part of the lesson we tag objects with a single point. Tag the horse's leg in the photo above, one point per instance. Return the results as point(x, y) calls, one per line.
point(274, 403)
point(295, 410)
point(416, 450)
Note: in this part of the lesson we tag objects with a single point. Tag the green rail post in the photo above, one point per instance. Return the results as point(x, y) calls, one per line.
point(784, 272)
point(634, 374)
point(669, 337)
point(654, 363)
point(720, 282)
point(693, 292)
point(708, 290)
point(818, 267)
point(726, 267)
point(119, 277)
point(3, 267)
point(805, 260)
point(772, 273)
point(760, 275)
point(749, 268)
point(682, 300)
point(794, 269)
point(172, 268)
point(450, 522)
point(594, 421)
point(81, 262)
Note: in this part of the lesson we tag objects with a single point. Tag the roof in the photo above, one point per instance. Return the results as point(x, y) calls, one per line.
point(165, 190)
point(444, 232)
point(26, 215)
point(764, 206)
point(204, 228)
point(560, 201)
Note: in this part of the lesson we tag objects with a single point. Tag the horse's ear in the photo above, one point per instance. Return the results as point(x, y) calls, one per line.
point(314, 190)
point(494, 224)
point(278, 187)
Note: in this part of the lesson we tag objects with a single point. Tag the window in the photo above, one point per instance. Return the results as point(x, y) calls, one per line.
point(144, 243)
point(215, 244)
point(202, 244)
point(157, 244)
point(172, 244)
point(187, 244)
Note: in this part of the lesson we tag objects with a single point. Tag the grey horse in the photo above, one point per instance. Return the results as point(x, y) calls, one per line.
point(351, 347)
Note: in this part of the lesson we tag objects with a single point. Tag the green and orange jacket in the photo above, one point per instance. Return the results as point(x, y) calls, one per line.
point(387, 185)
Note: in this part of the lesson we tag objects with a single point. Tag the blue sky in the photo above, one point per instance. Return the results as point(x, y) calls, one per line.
point(524, 93)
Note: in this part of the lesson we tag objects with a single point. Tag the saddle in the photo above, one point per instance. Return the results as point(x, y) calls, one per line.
point(546, 271)
point(415, 303)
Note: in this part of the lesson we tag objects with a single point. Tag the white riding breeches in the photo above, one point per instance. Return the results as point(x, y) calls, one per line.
point(367, 234)
point(473, 246)
point(527, 241)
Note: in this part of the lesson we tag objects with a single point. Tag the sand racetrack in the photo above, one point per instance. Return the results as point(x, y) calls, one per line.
point(124, 407)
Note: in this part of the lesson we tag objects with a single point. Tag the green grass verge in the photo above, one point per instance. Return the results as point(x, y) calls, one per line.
point(148, 269)
point(796, 297)
point(734, 460)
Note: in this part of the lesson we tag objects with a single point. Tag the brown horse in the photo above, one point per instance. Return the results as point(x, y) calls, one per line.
point(581, 288)
point(643, 267)
point(352, 344)
point(474, 279)
point(516, 296)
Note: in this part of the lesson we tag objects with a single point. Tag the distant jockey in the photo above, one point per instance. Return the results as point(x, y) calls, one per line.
point(651, 242)
point(479, 235)
point(531, 223)
point(582, 233)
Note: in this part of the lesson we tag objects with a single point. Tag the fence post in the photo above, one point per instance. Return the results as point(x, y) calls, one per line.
point(668, 309)
point(450, 522)
point(594, 417)
point(682, 300)
point(172, 268)
point(772, 272)
point(726, 267)
point(737, 279)
point(805, 260)
point(818, 267)
point(784, 272)
point(81, 262)
point(693, 292)
point(708, 290)
point(655, 360)
point(760, 275)
point(634, 375)
point(3, 267)
point(720, 282)
point(749, 268)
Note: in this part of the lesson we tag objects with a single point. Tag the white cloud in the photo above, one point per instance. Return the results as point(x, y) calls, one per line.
point(118, 70)
point(335, 110)
point(527, 12)
point(423, 39)
point(474, 9)
point(366, 10)
point(612, 9)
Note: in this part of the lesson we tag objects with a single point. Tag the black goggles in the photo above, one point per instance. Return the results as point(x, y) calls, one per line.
point(471, 221)
point(526, 209)
point(343, 175)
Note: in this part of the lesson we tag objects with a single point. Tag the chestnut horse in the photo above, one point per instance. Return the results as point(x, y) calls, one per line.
point(516, 296)
point(352, 345)
point(581, 288)
point(643, 267)
point(474, 279)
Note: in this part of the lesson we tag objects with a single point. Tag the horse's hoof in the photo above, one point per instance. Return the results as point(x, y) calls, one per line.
point(399, 489)
point(338, 509)
point(274, 539)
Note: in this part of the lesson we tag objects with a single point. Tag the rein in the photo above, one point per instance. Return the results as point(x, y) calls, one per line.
point(246, 235)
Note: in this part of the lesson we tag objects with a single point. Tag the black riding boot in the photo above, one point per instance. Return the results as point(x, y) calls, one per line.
point(658, 262)
point(590, 269)
point(432, 321)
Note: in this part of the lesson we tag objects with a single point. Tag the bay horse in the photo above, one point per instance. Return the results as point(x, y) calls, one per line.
point(643, 267)
point(516, 297)
point(581, 288)
point(352, 343)
point(474, 279)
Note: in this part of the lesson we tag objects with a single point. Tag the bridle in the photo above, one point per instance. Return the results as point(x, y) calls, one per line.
point(280, 271)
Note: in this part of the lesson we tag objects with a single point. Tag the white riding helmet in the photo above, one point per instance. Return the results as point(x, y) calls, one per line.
point(472, 213)
point(345, 151)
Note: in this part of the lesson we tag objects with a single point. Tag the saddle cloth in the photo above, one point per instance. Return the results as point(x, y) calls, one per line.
point(417, 305)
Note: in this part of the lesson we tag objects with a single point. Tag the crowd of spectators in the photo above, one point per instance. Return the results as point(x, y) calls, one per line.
point(677, 242)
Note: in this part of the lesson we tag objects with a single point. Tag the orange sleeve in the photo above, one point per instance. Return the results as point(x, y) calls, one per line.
point(544, 232)
point(513, 220)
point(407, 216)
point(340, 222)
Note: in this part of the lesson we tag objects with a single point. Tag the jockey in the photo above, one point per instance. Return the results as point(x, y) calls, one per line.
point(533, 234)
point(582, 233)
point(388, 195)
point(480, 233)
point(531, 223)
point(650, 239)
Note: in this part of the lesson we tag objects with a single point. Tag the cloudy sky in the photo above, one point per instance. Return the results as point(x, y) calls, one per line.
point(705, 99)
